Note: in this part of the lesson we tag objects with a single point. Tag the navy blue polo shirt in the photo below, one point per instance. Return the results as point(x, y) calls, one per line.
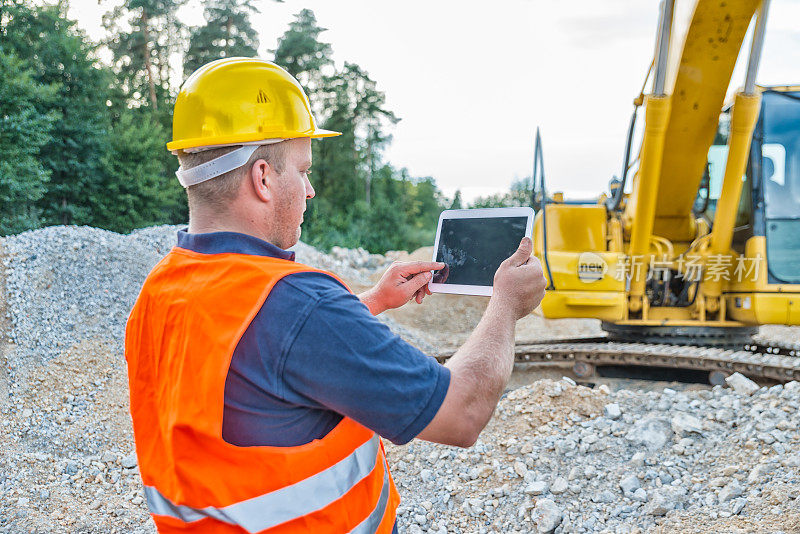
point(314, 353)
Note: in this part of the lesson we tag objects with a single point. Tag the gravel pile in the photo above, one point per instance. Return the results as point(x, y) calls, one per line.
point(556, 457)
point(65, 284)
point(563, 458)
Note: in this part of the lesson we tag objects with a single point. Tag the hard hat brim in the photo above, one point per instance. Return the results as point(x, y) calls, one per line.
point(247, 138)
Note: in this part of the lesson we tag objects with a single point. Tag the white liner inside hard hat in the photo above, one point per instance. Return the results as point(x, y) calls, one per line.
point(218, 166)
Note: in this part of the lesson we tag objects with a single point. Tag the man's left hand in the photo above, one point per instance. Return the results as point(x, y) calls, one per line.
point(401, 282)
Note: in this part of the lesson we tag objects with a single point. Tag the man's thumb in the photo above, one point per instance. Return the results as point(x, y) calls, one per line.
point(523, 252)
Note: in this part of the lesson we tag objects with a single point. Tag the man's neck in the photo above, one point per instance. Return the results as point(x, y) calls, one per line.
point(206, 225)
point(202, 225)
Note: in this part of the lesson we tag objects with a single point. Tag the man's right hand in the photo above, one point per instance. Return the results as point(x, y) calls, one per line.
point(519, 283)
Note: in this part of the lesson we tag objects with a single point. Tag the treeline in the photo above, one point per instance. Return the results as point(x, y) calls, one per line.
point(82, 141)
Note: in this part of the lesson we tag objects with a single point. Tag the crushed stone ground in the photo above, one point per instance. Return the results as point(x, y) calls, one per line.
point(554, 458)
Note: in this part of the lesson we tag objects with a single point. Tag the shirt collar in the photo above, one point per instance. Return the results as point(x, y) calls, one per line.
point(231, 243)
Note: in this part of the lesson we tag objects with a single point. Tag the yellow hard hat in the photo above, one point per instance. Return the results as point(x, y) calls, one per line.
point(238, 100)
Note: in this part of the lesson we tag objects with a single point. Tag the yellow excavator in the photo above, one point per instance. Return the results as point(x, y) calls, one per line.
point(706, 244)
point(703, 244)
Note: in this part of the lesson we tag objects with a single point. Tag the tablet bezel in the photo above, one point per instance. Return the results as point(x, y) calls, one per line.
point(461, 289)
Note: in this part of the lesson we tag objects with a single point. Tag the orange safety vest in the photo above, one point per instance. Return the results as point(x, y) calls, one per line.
point(180, 338)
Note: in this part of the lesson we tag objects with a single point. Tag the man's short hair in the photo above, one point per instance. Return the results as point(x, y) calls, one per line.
point(219, 191)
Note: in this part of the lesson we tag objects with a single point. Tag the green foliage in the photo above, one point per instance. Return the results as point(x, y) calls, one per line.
point(360, 200)
point(456, 204)
point(302, 54)
point(519, 195)
point(72, 157)
point(145, 34)
point(84, 143)
point(136, 192)
point(25, 126)
point(227, 33)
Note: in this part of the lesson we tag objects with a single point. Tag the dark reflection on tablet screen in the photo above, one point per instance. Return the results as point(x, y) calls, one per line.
point(474, 248)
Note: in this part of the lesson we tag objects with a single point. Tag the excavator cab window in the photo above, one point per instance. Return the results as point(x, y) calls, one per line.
point(780, 182)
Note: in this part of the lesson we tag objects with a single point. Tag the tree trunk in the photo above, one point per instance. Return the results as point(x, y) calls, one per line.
point(148, 65)
point(371, 167)
point(64, 214)
point(228, 28)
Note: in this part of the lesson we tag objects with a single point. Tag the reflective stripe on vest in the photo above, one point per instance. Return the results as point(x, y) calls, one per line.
point(370, 524)
point(290, 502)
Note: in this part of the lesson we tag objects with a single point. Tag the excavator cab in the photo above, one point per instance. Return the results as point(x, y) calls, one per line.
point(776, 189)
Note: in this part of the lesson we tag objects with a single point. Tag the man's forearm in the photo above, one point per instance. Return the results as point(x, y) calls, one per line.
point(484, 363)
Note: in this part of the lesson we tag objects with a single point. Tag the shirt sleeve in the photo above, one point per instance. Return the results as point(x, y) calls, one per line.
point(344, 359)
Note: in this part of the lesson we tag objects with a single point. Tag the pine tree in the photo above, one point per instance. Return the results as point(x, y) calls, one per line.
point(145, 34)
point(456, 204)
point(227, 33)
point(360, 201)
point(142, 194)
point(306, 57)
point(24, 130)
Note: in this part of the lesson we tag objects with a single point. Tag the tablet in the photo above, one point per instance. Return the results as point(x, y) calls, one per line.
point(473, 243)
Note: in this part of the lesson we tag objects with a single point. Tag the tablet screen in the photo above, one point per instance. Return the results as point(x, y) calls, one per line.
point(473, 248)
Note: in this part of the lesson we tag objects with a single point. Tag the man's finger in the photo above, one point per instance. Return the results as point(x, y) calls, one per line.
point(418, 281)
point(522, 254)
point(414, 267)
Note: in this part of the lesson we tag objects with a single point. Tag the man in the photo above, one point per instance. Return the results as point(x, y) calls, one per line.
point(259, 386)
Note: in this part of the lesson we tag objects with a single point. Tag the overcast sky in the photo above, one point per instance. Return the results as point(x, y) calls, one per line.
point(471, 81)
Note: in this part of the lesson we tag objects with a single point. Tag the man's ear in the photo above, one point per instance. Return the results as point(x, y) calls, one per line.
point(261, 180)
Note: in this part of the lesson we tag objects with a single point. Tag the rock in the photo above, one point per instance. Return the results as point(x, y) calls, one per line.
point(737, 505)
point(605, 496)
point(536, 488)
point(629, 485)
point(520, 469)
point(637, 460)
point(652, 432)
point(546, 516)
point(724, 415)
point(426, 475)
point(612, 411)
point(665, 500)
point(640, 495)
point(683, 423)
point(717, 482)
point(129, 461)
point(559, 486)
point(731, 491)
point(574, 473)
point(741, 384)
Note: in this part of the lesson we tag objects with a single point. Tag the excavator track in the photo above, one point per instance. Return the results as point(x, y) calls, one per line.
point(759, 360)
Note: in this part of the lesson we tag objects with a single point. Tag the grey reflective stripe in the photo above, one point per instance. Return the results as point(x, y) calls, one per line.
point(279, 506)
point(371, 523)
